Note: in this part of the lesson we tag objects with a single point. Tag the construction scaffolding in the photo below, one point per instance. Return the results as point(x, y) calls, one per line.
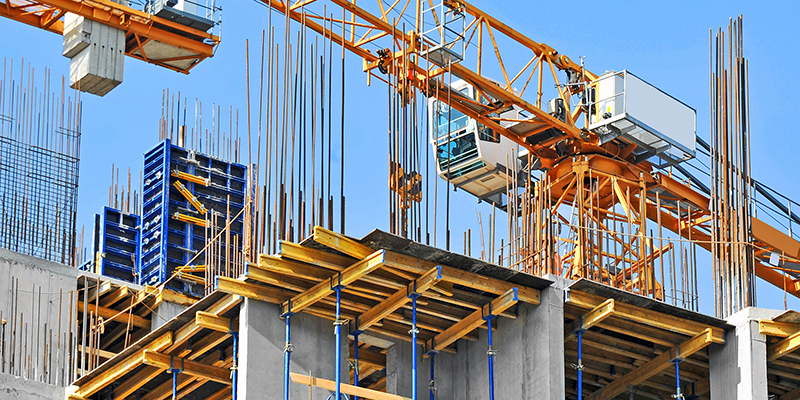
point(40, 133)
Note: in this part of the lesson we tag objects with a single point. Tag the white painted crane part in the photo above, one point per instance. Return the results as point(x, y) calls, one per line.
point(96, 52)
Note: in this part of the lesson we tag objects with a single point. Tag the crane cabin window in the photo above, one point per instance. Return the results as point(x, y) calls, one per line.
point(444, 112)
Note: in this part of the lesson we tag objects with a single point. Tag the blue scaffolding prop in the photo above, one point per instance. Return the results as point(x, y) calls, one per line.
point(168, 243)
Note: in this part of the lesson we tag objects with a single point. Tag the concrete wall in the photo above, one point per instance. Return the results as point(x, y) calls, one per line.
point(738, 368)
point(529, 363)
point(56, 282)
point(262, 336)
point(12, 387)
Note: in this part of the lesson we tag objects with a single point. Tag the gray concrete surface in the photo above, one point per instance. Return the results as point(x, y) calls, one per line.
point(738, 368)
point(12, 387)
point(262, 340)
point(165, 312)
point(529, 363)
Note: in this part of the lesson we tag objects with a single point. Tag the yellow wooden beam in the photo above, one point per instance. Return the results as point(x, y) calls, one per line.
point(122, 367)
point(316, 257)
point(362, 393)
point(189, 367)
point(319, 291)
point(461, 277)
point(590, 319)
point(342, 243)
point(116, 316)
point(249, 290)
point(215, 323)
point(187, 331)
point(779, 329)
point(136, 381)
point(783, 347)
point(398, 299)
point(190, 197)
point(472, 321)
point(640, 315)
point(659, 364)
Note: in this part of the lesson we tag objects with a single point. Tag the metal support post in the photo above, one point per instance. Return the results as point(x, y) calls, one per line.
point(287, 355)
point(414, 332)
point(174, 371)
point(355, 363)
point(432, 385)
point(338, 324)
point(235, 366)
point(678, 394)
point(580, 365)
point(491, 352)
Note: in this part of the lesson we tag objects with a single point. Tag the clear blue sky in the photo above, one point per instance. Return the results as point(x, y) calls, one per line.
point(665, 43)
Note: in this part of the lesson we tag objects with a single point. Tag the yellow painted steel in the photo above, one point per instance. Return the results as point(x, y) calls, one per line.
point(190, 219)
point(190, 197)
point(191, 178)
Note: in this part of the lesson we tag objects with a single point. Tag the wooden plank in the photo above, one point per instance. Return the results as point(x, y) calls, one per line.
point(253, 291)
point(342, 243)
point(116, 316)
point(398, 299)
point(222, 394)
point(324, 288)
point(187, 331)
point(369, 357)
point(189, 367)
point(136, 381)
point(461, 277)
point(102, 353)
point(659, 364)
point(172, 296)
point(471, 322)
point(778, 329)
point(123, 367)
point(118, 294)
point(640, 315)
point(215, 323)
point(313, 256)
point(590, 319)
point(783, 347)
point(344, 388)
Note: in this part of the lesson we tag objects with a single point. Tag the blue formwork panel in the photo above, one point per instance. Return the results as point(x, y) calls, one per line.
point(118, 244)
point(168, 243)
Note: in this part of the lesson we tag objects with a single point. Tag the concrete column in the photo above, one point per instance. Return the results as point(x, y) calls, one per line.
point(529, 364)
point(738, 368)
point(261, 342)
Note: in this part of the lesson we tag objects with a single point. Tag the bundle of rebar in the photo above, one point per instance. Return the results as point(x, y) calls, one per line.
point(731, 192)
point(40, 133)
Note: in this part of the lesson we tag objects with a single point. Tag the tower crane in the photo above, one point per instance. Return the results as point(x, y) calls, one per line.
point(168, 33)
point(596, 152)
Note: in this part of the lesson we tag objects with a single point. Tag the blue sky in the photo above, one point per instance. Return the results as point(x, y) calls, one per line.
point(665, 43)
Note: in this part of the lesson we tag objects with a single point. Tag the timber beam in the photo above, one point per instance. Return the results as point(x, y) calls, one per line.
point(397, 300)
point(659, 364)
point(471, 322)
point(323, 289)
point(640, 315)
point(214, 322)
point(189, 367)
point(783, 347)
point(778, 329)
point(122, 367)
point(351, 390)
point(590, 319)
point(109, 315)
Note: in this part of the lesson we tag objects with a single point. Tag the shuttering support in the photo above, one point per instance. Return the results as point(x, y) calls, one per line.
point(188, 197)
point(117, 244)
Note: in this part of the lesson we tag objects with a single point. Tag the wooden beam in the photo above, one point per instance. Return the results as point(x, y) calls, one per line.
point(342, 243)
point(346, 389)
point(188, 367)
point(118, 294)
point(783, 347)
point(136, 381)
point(778, 329)
point(590, 319)
point(397, 300)
point(640, 315)
point(122, 367)
point(659, 364)
point(461, 277)
point(369, 357)
point(313, 256)
point(116, 316)
point(253, 291)
point(471, 322)
point(215, 323)
point(222, 306)
point(324, 288)
point(222, 394)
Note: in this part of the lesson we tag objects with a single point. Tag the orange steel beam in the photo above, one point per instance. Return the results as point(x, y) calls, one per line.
point(46, 14)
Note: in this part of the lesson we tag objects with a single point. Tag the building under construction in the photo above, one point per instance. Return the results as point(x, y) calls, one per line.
point(222, 269)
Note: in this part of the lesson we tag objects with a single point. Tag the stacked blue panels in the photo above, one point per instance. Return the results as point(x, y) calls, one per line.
point(118, 244)
point(168, 243)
